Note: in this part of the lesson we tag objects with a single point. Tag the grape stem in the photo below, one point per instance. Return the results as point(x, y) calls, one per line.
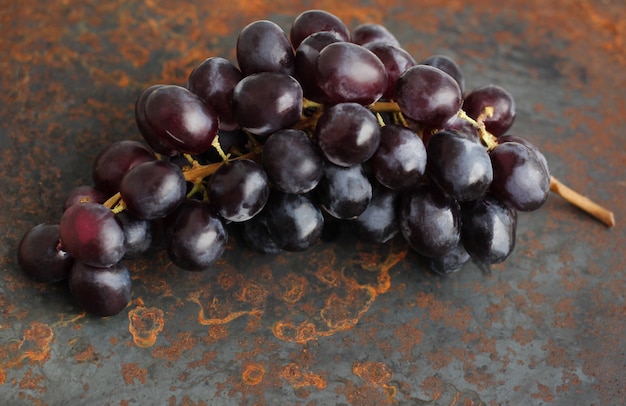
point(582, 202)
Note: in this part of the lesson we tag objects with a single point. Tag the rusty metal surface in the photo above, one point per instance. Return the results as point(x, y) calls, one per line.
point(344, 323)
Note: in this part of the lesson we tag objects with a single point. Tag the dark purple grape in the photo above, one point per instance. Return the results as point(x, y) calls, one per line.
point(459, 166)
point(378, 223)
point(430, 221)
point(266, 102)
point(428, 95)
point(214, 81)
point(100, 291)
point(450, 262)
point(181, 120)
point(347, 133)
point(145, 128)
point(520, 179)
point(396, 61)
point(114, 161)
point(399, 162)
point(347, 72)
point(344, 192)
point(40, 255)
point(262, 46)
point(491, 96)
point(82, 194)
point(294, 222)
point(292, 161)
point(314, 21)
point(448, 65)
point(367, 33)
point(306, 63)
point(153, 189)
point(456, 124)
point(197, 236)
point(257, 236)
point(137, 234)
point(488, 231)
point(520, 140)
point(91, 234)
point(238, 190)
point(234, 142)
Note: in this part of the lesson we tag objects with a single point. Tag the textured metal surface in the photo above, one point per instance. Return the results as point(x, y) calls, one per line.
point(344, 323)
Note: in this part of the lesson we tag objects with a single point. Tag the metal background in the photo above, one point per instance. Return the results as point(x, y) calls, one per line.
point(345, 323)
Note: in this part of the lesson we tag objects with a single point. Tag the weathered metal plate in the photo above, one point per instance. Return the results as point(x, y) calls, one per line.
point(346, 322)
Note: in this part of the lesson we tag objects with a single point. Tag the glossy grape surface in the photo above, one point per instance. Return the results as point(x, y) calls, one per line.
point(428, 95)
point(82, 194)
point(525, 142)
point(92, 235)
point(197, 237)
point(257, 236)
point(238, 190)
point(112, 163)
point(100, 291)
point(344, 192)
point(137, 234)
point(367, 33)
point(262, 46)
point(293, 221)
point(519, 178)
point(459, 166)
point(306, 63)
point(378, 223)
point(214, 81)
point(448, 65)
point(292, 161)
point(347, 72)
point(488, 231)
point(491, 96)
point(399, 162)
point(266, 102)
point(395, 59)
point(180, 119)
point(151, 190)
point(145, 128)
point(40, 255)
point(430, 221)
point(450, 262)
point(314, 21)
point(347, 133)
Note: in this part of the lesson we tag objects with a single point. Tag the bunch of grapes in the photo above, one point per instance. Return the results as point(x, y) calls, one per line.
point(315, 127)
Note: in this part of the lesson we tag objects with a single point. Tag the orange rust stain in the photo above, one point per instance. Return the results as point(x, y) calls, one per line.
point(88, 354)
point(253, 374)
point(523, 336)
point(32, 382)
point(145, 324)
point(294, 287)
point(433, 387)
point(205, 321)
point(184, 342)
point(34, 345)
point(132, 372)
point(298, 378)
point(252, 293)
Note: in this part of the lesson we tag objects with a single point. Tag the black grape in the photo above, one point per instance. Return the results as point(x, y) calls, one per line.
point(41, 256)
point(100, 291)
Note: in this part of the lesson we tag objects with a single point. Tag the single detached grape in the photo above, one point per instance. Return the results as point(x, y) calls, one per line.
point(347, 72)
point(488, 231)
point(491, 96)
point(153, 189)
point(292, 161)
point(92, 235)
point(114, 161)
point(430, 221)
point(459, 166)
point(41, 256)
point(347, 133)
point(214, 81)
point(520, 179)
point(266, 102)
point(428, 95)
point(294, 222)
point(344, 192)
point(180, 119)
point(262, 46)
point(100, 291)
point(314, 21)
point(197, 237)
point(399, 162)
point(238, 190)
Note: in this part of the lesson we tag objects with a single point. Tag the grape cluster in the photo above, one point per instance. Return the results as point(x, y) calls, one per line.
point(320, 126)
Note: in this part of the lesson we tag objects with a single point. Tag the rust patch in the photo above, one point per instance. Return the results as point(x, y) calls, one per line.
point(253, 374)
point(145, 324)
point(132, 372)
